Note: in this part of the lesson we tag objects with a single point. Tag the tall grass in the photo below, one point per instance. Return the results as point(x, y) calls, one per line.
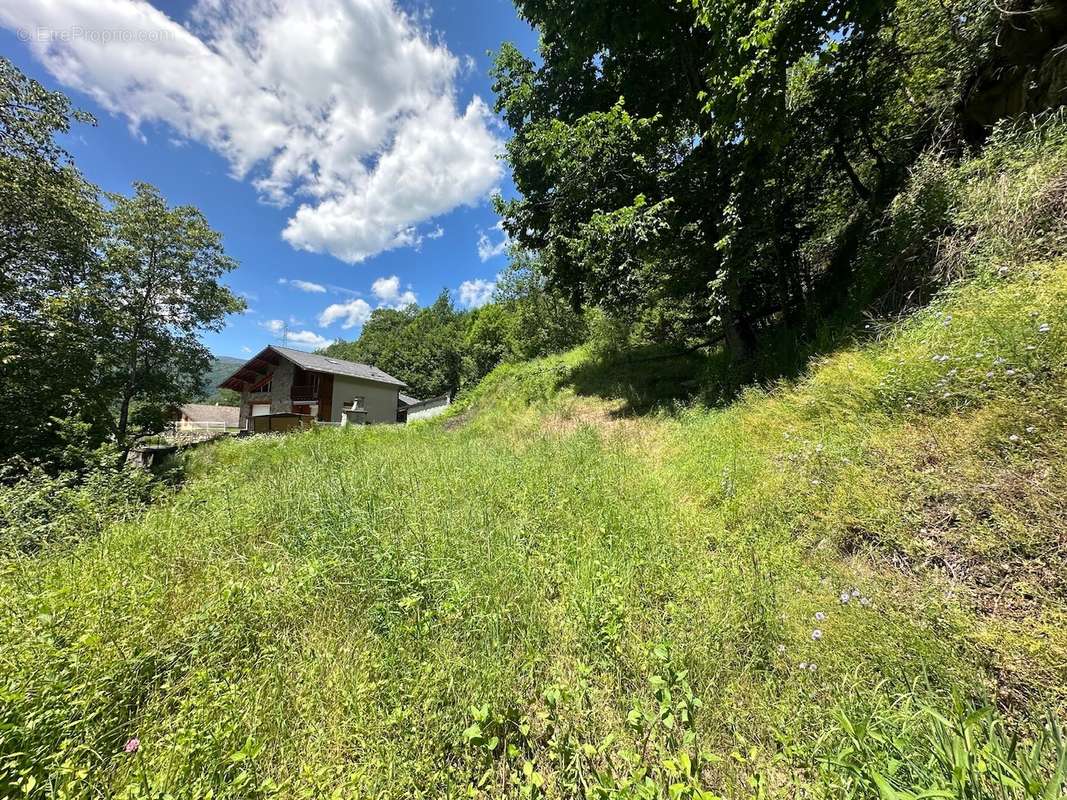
point(514, 607)
point(848, 585)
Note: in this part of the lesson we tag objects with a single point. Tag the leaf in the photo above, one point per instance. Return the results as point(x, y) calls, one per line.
point(472, 733)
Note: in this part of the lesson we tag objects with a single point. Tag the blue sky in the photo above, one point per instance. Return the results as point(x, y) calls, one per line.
point(345, 148)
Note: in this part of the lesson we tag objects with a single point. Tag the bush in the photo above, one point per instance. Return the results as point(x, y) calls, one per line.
point(38, 509)
point(993, 213)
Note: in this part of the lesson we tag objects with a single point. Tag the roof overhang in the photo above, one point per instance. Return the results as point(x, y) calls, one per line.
point(256, 368)
point(263, 363)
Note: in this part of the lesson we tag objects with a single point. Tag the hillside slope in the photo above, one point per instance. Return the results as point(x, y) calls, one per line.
point(221, 368)
point(546, 595)
point(849, 584)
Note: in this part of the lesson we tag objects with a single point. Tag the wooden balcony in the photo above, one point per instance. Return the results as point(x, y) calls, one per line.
point(304, 394)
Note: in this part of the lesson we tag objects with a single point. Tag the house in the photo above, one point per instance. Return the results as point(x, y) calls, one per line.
point(412, 409)
point(206, 416)
point(283, 381)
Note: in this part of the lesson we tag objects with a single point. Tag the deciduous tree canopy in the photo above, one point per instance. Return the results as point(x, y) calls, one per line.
point(716, 168)
point(100, 307)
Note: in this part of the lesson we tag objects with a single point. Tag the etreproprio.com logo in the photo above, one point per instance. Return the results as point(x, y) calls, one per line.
point(77, 33)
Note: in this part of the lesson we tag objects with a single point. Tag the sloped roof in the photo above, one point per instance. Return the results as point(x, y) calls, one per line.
point(312, 362)
point(209, 412)
point(408, 400)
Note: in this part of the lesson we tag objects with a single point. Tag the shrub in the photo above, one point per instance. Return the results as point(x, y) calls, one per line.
point(993, 213)
point(38, 508)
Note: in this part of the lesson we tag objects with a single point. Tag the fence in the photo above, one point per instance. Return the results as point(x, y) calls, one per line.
point(188, 426)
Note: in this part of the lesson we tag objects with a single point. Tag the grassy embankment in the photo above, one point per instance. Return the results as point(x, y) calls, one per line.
point(549, 595)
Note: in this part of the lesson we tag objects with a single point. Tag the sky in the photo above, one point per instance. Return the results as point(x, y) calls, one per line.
point(346, 149)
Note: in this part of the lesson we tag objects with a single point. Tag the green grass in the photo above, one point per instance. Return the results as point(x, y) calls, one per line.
point(548, 596)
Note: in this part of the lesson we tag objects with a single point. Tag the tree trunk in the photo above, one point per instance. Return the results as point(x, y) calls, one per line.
point(740, 339)
point(120, 434)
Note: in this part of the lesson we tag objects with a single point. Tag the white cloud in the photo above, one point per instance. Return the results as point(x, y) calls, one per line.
point(279, 327)
point(304, 286)
point(436, 233)
point(348, 106)
point(387, 290)
point(246, 349)
point(487, 248)
point(354, 312)
point(309, 338)
point(476, 293)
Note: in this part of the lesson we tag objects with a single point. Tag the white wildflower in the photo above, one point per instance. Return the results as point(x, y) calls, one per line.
point(816, 634)
point(845, 597)
point(819, 616)
point(1044, 327)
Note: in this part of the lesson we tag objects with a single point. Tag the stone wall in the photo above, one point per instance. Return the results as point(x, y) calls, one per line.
point(281, 388)
point(279, 397)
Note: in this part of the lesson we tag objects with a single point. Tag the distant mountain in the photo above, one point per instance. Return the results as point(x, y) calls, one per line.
point(221, 368)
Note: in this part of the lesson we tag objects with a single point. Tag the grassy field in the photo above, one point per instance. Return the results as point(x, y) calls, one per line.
point(810, 591)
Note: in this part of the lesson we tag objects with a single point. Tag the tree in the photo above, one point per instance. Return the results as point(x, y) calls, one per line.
point(687, 166)
point(51, 286)
point(438, 350)
point(540, 321)
point(162, 267)
point(100, 309)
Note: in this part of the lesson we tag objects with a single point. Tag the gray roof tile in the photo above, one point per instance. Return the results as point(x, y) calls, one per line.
point(336, 366)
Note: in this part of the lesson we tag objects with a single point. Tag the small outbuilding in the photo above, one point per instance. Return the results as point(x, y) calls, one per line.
point(207, 416)
point(412, 409)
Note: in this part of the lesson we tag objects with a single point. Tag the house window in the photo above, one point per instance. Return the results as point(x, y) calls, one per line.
point(356, 404)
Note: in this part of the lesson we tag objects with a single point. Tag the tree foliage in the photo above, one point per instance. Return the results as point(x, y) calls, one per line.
point(161, 268)
point(439, 349)
point(100, 307)
point(713, 169)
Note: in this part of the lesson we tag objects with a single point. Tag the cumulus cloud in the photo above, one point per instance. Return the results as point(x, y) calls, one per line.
point(476, 293)
point(387, 292)
point(354, 312)
point(304, 286)
point(346, 107)
point(487, 248)
point(389, 295)
point(309, 338)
